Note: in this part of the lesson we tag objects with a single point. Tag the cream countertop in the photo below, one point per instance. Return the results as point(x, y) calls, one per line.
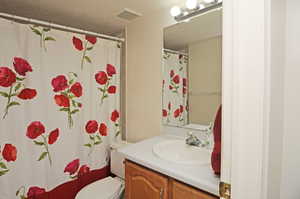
point(201, 177)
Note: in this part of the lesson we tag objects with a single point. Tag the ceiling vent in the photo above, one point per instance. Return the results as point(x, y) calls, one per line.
point(129, 15)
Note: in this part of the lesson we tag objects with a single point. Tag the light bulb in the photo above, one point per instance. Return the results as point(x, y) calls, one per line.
point(209, 1)
point(201, 6)
point(175, 11)
point(191, 4)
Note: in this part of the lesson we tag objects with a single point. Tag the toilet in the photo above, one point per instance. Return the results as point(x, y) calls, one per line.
point(109, 187)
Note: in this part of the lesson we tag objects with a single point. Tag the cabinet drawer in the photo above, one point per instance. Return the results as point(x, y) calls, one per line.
point(183, 191)
point(142, 183)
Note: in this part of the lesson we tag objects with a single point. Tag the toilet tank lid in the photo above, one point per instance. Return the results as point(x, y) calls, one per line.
point(101, 189)
point(119, 144)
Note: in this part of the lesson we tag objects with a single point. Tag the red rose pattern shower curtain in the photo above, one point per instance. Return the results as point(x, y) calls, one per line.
point(175, 89)
point(59, 107)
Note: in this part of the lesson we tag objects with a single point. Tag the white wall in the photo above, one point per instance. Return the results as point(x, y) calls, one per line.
point(144, 38)
point(290, 187)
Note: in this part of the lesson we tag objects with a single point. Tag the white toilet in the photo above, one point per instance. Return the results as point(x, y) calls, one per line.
point(109, 187)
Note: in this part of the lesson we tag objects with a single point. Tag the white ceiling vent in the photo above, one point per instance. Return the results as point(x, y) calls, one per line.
point(129, 15)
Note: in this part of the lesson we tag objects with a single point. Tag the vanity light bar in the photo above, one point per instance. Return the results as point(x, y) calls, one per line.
point(199, 11)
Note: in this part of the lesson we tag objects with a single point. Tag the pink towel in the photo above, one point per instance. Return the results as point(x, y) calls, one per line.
point(216, 154)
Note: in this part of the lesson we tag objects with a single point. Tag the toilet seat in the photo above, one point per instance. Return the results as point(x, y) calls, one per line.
point(107, 188)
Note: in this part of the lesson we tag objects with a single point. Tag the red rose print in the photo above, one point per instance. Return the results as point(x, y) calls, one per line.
point(112, 89)
point(27, 94)
point(68, 97)
point(172, 73)
point(184, 81)
point(101, 78)
point(76, 89)
point(176, 79)
point(103, 129)
point(169, 106)
point(110, 69)
point(91, 126)
point(164, 113)
point(72, 167)
point(181, 108)
point(91, 39)
point(114, 116)
point(176, 113)
point(33, 192)
point(184, 90)
point(62, 100)
point(9, 152)
point(21, 66)
point(170, 87)
point(83, 170)
point(53, 136)
point(59, 83)
point(7, 77)
point(85, 46)
point(35, 129)
point(77, 43)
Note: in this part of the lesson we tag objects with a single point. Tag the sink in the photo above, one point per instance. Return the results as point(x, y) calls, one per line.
point(176, 151)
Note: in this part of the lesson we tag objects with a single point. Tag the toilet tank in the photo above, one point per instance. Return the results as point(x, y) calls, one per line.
point(117, 159)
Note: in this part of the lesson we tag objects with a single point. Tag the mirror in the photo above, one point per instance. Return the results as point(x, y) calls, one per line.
point(192, 71)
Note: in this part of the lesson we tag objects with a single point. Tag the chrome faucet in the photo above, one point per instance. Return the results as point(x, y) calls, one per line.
point(192, 140)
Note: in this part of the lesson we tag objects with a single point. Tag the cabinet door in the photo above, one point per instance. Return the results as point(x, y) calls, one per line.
point(142, 183)
point(182, 191)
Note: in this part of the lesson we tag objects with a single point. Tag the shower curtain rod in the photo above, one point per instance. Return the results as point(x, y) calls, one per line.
point(59, 27)
point(175, 52)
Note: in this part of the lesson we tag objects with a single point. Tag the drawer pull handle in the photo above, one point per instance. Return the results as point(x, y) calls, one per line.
point(161, 194)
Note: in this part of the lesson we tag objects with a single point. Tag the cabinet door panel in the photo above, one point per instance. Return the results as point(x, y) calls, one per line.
point(142, 183)
point(182, 191)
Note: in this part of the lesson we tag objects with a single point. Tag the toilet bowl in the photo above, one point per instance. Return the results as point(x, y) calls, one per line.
point(109, 187)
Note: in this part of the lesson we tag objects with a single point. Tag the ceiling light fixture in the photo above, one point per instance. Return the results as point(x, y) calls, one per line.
point(201, 6)
point(175, 11)
point(209, 1)
point(193, 9)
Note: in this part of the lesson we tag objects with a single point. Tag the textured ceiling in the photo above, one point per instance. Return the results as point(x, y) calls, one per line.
point(93, 15)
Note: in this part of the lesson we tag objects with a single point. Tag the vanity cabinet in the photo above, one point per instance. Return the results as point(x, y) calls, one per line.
point(143, 183)
point(181, 191)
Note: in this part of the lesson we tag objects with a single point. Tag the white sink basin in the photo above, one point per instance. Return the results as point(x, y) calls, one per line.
point(176, 151)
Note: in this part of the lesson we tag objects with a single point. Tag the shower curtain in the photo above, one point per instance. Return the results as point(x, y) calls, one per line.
point(175, 89)
point(59, 107)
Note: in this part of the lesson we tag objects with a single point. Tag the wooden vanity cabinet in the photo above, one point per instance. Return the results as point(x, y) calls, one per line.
point(143, 183)
point(182, 191)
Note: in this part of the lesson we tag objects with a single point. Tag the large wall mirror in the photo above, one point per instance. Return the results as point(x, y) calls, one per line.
point(192, 71)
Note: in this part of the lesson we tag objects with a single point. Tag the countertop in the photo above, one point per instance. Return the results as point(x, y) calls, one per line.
point(201, 177)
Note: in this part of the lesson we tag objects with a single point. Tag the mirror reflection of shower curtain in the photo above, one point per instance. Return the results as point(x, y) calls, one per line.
point(59, 106)
point(175, 89)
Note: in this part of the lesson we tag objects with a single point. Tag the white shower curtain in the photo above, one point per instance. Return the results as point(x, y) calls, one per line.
point(59, 106)
point(175, 89)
